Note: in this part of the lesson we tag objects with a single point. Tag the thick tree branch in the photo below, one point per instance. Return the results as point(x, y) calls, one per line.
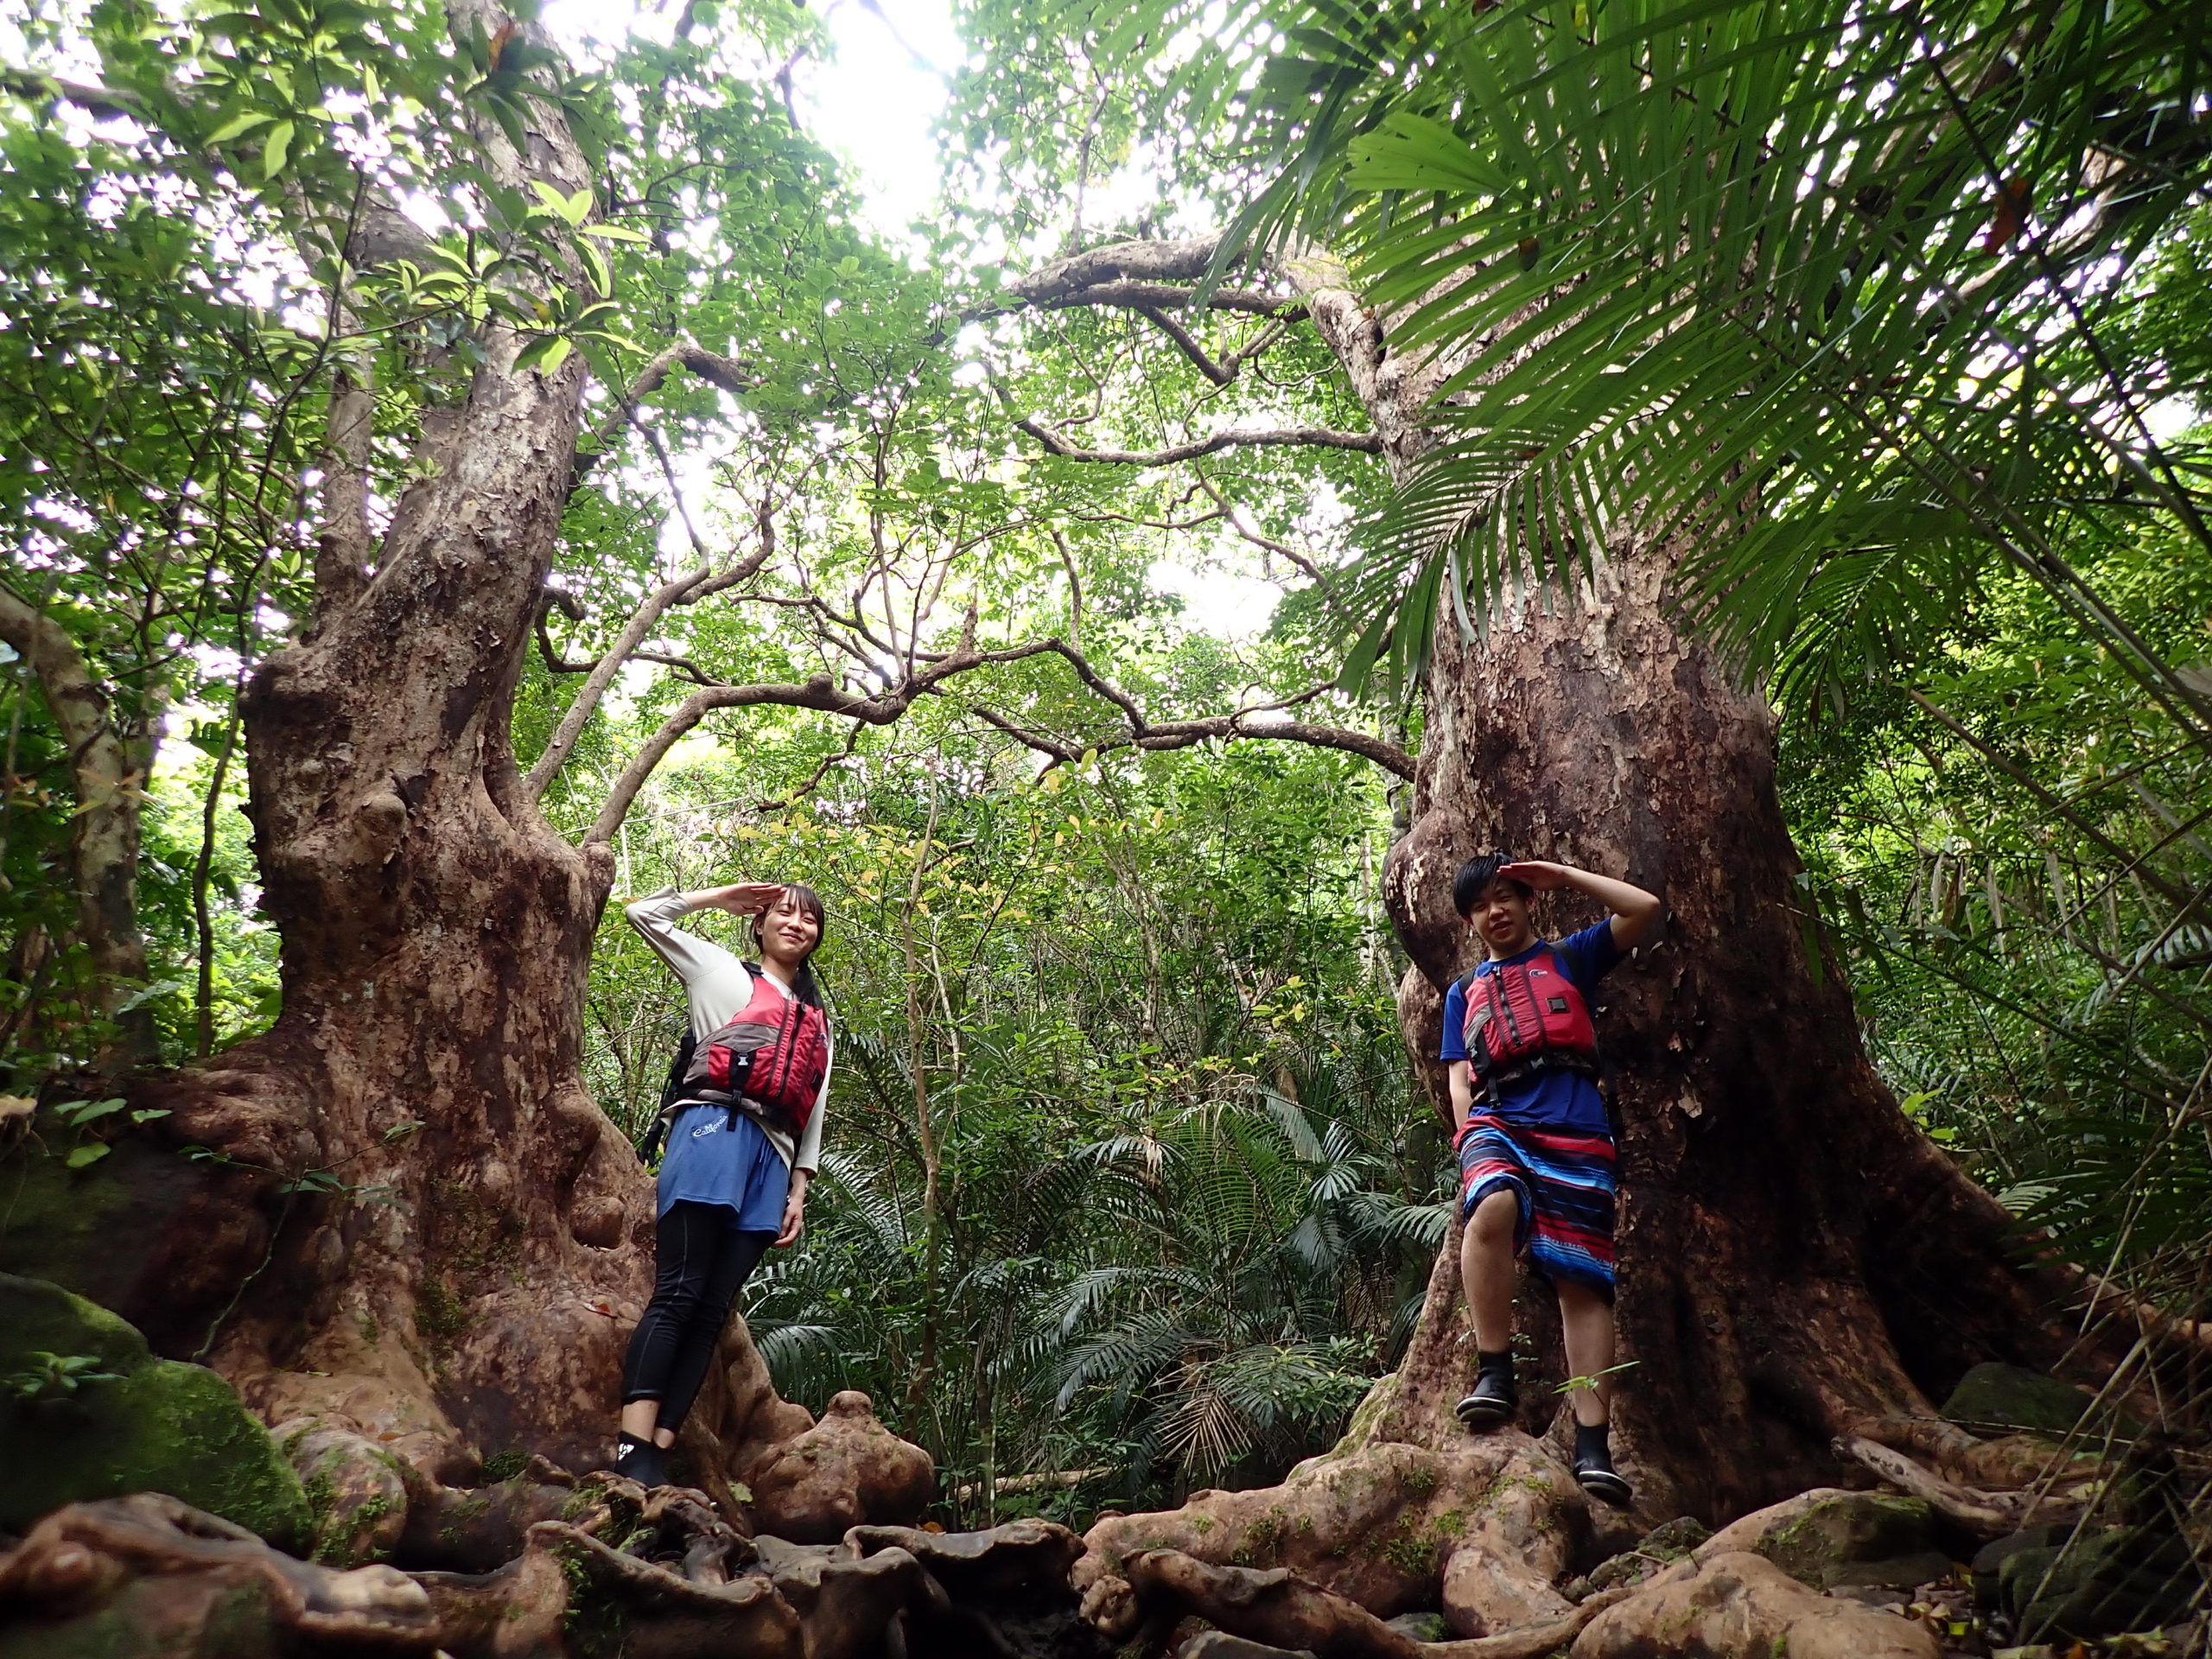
point(108, 770)
point(1133, 275)
point(345, 542)
point(1313, 436)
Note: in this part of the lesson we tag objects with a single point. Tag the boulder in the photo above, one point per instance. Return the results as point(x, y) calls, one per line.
point(1993, 1555)
point(91, 1413)
point(1995, 1395)
point(1842, 1528)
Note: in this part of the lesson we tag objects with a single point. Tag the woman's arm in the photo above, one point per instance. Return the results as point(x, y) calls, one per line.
point(739, 897)
point(1636, 912)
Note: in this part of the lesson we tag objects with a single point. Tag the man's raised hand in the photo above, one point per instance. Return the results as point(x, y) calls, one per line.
point(1539, 873)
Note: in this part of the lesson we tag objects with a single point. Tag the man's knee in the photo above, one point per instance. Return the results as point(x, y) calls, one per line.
point(1496, 1219)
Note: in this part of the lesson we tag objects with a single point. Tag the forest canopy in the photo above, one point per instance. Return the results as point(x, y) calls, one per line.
point(456, 473)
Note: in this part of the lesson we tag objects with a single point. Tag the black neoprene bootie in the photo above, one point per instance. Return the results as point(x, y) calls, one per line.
point(1593, 1465)
point(641, 1461)
point(1495, 1399)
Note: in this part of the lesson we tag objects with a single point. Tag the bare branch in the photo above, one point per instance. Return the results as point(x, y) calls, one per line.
point(728, 373)
point(822, 692)
point(1235, 516)
point(683, 590)
point(1312, 436)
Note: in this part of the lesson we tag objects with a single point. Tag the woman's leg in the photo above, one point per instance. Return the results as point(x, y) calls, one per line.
point(735, 1256)
point(685, 1246)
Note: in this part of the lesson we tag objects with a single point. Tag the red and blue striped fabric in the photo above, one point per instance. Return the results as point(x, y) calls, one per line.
point(1564, 1182)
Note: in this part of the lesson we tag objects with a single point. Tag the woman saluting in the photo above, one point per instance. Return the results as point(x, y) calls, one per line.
point(744, 1138)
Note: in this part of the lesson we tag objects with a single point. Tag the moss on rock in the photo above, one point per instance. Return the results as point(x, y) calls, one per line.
point(150, 1425)
point(1846, 1528)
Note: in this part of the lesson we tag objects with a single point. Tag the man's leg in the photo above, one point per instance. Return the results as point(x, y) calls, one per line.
point(1486, 1272)
point(1586, 1318)
point(1486, 1268)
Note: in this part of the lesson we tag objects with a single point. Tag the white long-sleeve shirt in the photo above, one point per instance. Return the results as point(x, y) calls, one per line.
point(718, 985)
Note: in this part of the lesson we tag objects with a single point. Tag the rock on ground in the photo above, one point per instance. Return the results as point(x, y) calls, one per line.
point(147, 1425)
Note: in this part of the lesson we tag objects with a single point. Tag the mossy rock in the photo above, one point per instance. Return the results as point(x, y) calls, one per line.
point(150, 1425)
point(2101, 1585)
point(2008, 1397)
point(1850, 1527)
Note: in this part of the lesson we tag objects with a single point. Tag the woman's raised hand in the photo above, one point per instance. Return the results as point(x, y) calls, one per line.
point(752, 898)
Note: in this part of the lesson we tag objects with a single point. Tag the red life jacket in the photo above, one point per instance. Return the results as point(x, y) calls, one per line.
point(774, 1052)
point(1526, 1017)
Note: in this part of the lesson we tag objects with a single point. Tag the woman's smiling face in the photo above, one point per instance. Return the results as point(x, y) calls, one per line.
point(788, 928)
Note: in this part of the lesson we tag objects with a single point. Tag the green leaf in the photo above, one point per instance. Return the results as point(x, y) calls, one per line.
point(545, 353)
point(239, 125)
point(275, 148)
point(85, 1156)
point(616, 233)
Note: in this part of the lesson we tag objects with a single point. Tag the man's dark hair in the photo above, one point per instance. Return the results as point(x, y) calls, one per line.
point(1476, 877)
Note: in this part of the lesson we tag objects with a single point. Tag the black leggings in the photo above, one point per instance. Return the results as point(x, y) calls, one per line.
point(700, 1259)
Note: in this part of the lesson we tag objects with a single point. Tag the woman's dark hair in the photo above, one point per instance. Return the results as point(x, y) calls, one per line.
point(1476, 878)
point(803, 984)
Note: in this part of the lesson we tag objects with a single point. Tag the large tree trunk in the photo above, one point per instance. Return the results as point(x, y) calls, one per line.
point(418, 1230)
point(1795, 1256)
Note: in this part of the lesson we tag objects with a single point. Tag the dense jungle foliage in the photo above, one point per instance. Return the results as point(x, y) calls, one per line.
point(1131, 1182)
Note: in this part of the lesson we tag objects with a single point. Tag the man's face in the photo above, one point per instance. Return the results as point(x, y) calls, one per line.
point(788, 928)
point(1500, 919)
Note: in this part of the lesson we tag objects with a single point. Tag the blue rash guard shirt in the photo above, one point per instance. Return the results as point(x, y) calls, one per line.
point(1551, 1100)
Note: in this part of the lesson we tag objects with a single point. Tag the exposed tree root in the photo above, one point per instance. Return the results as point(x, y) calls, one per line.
point(1276, 1606)
point(1732, 1603)
point(1990, 1515)
point(653, 1574)
point(155, 1564)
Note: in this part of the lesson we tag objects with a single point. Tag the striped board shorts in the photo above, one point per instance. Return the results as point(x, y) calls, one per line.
point(1564, 1184)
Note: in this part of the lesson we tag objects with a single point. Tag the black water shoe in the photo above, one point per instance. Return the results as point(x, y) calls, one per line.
point(640, 1461)
point(1594, 1465)
point(1494, 1401)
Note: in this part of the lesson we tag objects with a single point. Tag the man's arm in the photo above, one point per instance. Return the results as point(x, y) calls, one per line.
point(1459, 1075)
point(1636, 912)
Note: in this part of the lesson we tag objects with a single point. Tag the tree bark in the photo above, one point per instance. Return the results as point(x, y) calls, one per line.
point(108, 763)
